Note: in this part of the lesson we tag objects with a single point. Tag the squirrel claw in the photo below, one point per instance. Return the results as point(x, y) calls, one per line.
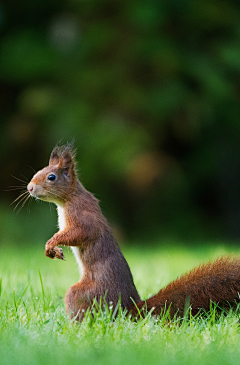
point(55, 252)
point(59, 254)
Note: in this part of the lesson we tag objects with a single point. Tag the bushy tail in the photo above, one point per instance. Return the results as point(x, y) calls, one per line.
point(217, 281)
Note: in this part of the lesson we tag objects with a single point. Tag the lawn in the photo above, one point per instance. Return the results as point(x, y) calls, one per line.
point(34, 328)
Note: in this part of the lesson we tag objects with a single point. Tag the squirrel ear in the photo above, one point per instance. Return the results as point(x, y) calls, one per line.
point(55, 155)
point(64, 157)
point(66, 163)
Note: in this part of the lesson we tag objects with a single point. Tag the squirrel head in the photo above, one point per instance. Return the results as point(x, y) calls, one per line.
point(56, 182)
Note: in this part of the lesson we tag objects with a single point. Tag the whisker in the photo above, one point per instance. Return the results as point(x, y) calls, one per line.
point(25, 182)
point(56, 194)
point(50, 207)
point(31, 168)
point(25, 194)
point(11, 188)
point(20, 201)
point(29, 204)
point(23, 203)
point(18, 186)
point(20, 196)
point(59, 191)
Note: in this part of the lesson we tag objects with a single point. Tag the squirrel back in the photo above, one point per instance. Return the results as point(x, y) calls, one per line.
point(217, 281)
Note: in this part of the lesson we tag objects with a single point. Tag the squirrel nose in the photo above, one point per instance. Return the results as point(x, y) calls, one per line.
point(30, 187)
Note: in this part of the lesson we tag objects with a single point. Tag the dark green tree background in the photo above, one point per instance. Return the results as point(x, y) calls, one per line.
point(149, 90)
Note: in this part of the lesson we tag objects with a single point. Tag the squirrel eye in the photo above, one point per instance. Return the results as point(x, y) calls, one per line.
point(51, 177)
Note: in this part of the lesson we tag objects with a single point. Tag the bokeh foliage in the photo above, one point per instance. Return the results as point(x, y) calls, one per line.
point(149, 90)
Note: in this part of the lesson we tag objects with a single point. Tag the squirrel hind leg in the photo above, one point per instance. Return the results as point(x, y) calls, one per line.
point(78, 299)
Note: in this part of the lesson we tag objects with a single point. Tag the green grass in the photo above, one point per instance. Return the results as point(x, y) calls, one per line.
point(34, 328)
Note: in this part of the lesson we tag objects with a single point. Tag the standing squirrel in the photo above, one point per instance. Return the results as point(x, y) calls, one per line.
point(83, 227)
point(104, 270)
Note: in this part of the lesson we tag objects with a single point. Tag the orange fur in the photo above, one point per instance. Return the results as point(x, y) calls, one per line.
point(104, 269)
point(217, 281)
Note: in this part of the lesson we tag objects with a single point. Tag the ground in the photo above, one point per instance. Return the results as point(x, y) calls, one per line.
point(34, 328)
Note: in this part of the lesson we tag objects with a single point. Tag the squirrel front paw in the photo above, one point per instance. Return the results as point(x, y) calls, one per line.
point(54, 252)
point(58, 253)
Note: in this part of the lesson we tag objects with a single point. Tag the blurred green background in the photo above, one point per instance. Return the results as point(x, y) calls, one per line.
point(149, 90)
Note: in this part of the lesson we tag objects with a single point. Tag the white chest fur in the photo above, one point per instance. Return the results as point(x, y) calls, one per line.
point(62, 225)
point(61, 218)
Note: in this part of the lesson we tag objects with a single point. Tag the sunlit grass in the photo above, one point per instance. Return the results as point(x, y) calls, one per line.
point(34, 328)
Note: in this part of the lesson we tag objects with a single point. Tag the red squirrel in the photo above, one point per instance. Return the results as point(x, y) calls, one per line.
point(83, 227)
point(104, 270)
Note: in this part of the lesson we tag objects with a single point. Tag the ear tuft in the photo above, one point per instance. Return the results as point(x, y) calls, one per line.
point(68, 150)
point(64, 156)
